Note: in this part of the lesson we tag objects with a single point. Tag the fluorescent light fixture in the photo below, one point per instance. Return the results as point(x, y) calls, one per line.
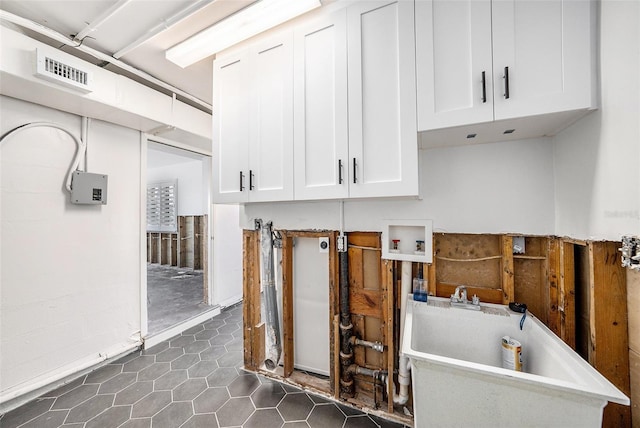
point(260, 16)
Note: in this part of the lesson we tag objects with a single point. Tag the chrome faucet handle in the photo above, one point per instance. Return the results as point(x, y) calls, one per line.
point(464, 294)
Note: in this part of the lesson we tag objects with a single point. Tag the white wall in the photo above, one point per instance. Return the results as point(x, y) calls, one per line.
point(486, 188)
point(70, 274)
point(597, 160)
point(227, 255)
point(191, 195)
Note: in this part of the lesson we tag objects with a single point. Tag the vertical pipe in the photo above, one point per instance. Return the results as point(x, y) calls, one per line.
point(346, 329)
point(274, 348)
point(404, 378)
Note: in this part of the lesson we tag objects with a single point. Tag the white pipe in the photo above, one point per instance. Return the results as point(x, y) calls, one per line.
point(404, 378)
point(22, 22)
point(101, 19)
point(84, 137)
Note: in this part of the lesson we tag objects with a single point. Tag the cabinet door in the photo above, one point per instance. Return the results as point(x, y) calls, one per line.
point(453, 63)
point(271, 120)
point(230, 128)
point(383, 147)
point(320, 109)
point(546, 47)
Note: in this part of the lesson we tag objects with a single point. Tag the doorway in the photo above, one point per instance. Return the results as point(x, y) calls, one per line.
point(176, 236)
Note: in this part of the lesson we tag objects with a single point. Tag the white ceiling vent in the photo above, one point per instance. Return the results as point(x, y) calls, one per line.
point(57, 69)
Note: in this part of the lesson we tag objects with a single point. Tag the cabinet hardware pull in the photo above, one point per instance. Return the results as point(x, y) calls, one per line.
point(340, 171)
point(506, 83)
point(241, 181)
point(355, 177)
point(251, 186)
point(484, 88)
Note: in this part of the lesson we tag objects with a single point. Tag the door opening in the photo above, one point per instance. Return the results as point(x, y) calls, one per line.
point(177, 236)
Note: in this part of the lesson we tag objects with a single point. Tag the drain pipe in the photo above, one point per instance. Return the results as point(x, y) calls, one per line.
point(272, 325)
point(404, 377)
point(346, 329)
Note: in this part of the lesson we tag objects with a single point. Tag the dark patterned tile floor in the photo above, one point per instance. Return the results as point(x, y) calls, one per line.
point(190, 381)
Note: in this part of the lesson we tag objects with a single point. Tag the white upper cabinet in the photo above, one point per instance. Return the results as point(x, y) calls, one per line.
point(231, 128)
point(271, 120)
point(320, 108)
point(253, 123)
point(454, 63)
point(325, 110)
point(383, 147)
point(546, 47)
point(482, 60)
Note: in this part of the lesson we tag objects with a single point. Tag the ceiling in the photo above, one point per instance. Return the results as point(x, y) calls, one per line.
point(134, 32)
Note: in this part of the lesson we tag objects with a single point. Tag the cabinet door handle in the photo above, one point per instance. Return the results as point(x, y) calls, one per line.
point(484, 88)
point(506, 83)
point(340, 171)
point(241, 181)
point(251, 186)
point(355, 171)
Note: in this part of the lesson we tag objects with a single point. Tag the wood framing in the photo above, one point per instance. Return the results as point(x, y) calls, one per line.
point(554, 273)
point(387, 280)
point(633, 303)
point(253, 333)
point(609, 325)
point(508, 286)
point(287, 303)
point(288, 332)
point(577, 289)
point(182, 241)
point(567, 295)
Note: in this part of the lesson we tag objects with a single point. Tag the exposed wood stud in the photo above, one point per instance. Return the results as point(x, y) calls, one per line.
point(287, 304)
point(553, 279)
point(247, 307)
point(336, 357)
point(387, 280)
point(196, 242)
point(258, 343)
point(334, 333)
point(567, 295)
point(609, 352)
point(174, 249)
point(182, 241)
point(508, 288)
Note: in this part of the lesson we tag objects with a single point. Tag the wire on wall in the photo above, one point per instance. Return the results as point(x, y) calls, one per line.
point(80, 151)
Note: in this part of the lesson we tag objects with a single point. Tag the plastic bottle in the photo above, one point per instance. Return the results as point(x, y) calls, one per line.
point(419, 287)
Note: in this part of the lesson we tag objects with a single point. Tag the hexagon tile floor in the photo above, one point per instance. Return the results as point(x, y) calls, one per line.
point(193, 380)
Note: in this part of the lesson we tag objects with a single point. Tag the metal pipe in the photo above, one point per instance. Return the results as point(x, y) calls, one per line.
point(376, 346)
point(346, 329)
point(377, 374)
point(274, 348)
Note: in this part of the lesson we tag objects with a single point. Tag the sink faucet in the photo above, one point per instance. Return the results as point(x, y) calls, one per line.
point(459, 299)
point(457, 296)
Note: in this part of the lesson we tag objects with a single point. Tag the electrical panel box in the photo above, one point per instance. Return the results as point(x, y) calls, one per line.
point(88, 188)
